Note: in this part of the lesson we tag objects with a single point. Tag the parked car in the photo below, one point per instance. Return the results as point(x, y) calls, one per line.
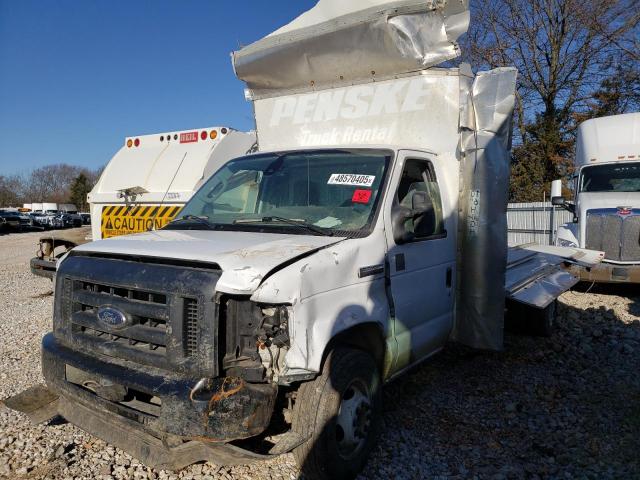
point(38, 220)
point(52, 221)
point(72, 220)
point(9, 221)
point(66, 220)
point(25, 221)
point(86, 218)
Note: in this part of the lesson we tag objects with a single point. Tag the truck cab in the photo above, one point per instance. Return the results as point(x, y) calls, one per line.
point(606, 203)
point(279, 260)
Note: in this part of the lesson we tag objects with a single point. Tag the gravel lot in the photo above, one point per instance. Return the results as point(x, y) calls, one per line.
point(566, 407)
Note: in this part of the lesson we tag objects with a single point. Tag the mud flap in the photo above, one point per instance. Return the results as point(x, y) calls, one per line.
point(38, 403)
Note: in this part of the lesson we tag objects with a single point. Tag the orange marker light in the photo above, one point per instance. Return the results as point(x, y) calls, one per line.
point(129, 143)
point(213, 135)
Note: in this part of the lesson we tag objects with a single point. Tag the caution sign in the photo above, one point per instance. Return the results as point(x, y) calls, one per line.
point(120, 220)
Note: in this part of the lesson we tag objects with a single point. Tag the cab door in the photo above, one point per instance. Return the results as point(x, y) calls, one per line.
point(420, 233)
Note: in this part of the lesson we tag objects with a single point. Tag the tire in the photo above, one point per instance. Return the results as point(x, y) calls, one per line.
point(543, 320)
point(347, 393)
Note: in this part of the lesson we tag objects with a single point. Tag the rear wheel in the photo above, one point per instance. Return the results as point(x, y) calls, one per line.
point(340, 412)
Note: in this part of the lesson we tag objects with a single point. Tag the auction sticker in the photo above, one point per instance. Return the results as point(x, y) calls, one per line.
point(351, 179)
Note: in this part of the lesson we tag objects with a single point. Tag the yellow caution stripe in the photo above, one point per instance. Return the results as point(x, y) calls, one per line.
point(118, 220)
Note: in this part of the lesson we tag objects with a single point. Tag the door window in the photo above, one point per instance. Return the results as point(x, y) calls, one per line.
point(420, 176)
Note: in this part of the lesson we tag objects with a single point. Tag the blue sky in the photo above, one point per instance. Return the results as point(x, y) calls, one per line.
point(77, 76)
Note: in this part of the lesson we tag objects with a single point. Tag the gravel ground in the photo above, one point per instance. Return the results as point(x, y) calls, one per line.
point(565, 407)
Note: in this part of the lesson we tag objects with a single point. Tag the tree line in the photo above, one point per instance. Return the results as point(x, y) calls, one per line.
point(577, 59)
point(60, 183)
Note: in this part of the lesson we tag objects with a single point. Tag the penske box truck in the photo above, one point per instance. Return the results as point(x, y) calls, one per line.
point(146, 184)
point(367, 231)
point(606, 204)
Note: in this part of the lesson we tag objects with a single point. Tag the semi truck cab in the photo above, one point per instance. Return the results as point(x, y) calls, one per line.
point(606, 204)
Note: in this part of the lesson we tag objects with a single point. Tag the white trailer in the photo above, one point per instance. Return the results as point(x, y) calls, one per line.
point(368, 230)
point(67, 208)
point(50, 208)
point(606, 203)
point(145, 185)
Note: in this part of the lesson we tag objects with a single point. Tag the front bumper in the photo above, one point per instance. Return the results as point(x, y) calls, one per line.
point(184, 429)
point(43, 267)
point(609, 273)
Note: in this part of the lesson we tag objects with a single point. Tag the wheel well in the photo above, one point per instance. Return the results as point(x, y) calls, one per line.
point(367, 337)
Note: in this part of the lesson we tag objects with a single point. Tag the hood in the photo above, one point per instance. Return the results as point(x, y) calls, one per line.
point(245, 258)
point(594, 200)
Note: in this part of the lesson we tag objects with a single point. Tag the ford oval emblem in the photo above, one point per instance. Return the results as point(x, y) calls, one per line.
point(112, 317)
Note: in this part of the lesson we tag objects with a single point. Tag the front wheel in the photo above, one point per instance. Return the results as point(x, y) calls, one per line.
point(340, 412)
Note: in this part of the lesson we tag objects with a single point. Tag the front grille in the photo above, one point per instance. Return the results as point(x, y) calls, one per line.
point(147, 312)
point(616, 235)
point(191, 321)
point(159, 315)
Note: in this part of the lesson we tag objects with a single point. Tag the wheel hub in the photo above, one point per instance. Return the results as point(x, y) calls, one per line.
point(354, 419)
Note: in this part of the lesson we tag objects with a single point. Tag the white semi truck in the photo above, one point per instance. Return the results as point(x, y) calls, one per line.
point(145, 184)
point(606, 204)
point(368, 230)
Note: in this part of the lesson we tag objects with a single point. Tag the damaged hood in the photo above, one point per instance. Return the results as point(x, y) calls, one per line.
point(341, 41)
point(244, 257)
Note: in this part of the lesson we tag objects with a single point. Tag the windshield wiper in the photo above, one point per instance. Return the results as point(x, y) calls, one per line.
point(202, 220)
point(290, 221)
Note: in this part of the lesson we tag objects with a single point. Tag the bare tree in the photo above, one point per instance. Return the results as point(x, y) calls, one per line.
point(11, 191)
point(52, 183)
point(566, 51)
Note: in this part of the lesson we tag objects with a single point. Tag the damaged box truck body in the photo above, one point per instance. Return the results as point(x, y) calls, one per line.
point(367, 231)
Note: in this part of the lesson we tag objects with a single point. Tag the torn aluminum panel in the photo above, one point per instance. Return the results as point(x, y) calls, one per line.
point(537, 274)
point(339, 42)
point(485, 141)
point(536, 279)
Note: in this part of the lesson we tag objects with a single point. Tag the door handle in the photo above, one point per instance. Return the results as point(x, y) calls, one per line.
point(449, 277)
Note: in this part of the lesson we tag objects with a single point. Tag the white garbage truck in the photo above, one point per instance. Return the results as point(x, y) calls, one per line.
point(145, 185)
point(606, 204)
point(367, 231)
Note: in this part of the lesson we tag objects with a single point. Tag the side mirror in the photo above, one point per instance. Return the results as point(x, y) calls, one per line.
point(556, 193)
point(420, 205)
point(558, 200)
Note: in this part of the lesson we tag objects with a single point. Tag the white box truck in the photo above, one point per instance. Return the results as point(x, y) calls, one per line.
point(368, 230)
point(145, 185)
point(606, 204)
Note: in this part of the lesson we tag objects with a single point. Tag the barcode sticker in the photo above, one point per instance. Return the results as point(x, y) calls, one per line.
point(352, 179)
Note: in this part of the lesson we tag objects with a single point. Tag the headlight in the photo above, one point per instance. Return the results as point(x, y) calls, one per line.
point(566, 243)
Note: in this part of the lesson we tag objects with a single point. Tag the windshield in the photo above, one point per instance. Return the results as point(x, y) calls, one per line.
point(619, 177)
point(306, 192)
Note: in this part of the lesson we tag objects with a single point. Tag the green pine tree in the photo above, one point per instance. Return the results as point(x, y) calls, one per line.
point(80, 188)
